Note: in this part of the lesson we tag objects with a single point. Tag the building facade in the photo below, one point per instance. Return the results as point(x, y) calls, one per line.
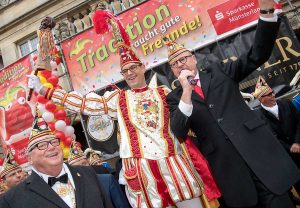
point(20, 20)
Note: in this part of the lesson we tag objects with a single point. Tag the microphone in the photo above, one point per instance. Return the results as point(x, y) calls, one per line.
point(191, 80)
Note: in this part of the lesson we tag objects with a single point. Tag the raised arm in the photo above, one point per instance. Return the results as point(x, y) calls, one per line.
point(92, 104)
point(262, 46)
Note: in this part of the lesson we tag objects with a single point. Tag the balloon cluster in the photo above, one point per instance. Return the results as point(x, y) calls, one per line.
point(55, 115)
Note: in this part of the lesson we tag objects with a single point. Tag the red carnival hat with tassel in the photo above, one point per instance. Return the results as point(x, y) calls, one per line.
point(104, 21)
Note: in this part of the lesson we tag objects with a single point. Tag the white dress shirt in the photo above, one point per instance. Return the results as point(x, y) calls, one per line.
point(68, 199)
point(273, 110)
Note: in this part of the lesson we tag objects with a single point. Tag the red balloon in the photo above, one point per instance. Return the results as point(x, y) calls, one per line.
point(41, 99)
point(34, 57)
point(68, 140)
point(55, 50)
point(50, 106)
point(60, 115)
point(53, 80)
point(58, 61)
point(60, 135)
point(78, 144)
point(46, 73)
point(68, 122)
point(51, 125)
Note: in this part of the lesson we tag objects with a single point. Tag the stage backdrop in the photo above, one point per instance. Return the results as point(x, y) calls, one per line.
point(16, 113)
point(93, 63)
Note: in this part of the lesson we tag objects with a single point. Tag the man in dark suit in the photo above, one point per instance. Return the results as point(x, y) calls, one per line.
point(52, 184)
point(248, 163)
point(283, 118)
point(112, 191)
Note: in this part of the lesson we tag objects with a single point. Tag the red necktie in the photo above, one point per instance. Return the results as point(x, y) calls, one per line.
point(199, 91)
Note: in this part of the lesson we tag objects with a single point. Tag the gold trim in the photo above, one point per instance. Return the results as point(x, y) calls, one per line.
point(124, 126)
point(162, 122)
point(132, 123)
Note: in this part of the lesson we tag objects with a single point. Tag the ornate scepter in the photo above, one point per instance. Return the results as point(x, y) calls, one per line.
point(45, 49)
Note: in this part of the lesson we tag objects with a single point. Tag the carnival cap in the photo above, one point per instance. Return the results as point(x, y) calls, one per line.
point(261, 88)
point(104, 21)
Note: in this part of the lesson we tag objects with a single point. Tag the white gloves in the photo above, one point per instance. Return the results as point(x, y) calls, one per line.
point(34, 83)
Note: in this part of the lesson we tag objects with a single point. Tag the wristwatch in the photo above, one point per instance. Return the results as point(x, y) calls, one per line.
point(267, 11)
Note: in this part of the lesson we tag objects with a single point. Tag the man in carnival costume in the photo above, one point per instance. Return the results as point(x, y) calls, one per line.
point(11, 172)
point(155, 171)
point(76, 156)
point(283, 118)
point(52, 183)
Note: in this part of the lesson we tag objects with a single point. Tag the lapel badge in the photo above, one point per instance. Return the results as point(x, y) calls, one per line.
point(78, 174)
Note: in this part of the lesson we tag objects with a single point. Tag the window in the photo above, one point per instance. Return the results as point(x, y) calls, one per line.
point(1, 62)
point(4, 3)
point(28, 46)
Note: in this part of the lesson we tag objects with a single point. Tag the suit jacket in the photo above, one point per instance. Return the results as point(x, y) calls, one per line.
point(33, 192)
point(114, 196)
point(287, 128)
point(99, 169)
point(236, 143)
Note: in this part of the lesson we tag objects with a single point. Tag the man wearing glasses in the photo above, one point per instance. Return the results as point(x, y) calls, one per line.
point(154, 170)
point(283, 118)
point(52, 183)
point(250, 166)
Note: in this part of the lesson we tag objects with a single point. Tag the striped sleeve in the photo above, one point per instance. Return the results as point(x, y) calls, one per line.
point(92, 104)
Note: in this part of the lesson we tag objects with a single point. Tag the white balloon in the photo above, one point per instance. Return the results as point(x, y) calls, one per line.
point(74, 137)
point(60, 125)
point(53, 65)
point(41, 108)
point(48, 116)
point(69, 130)
point(54, 73)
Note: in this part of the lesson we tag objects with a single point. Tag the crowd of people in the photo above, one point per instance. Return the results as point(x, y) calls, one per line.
point(242, 158)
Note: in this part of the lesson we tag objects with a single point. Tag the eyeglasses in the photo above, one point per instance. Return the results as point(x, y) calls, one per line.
point(44, 145)
point(267, 95)
point(181, 60)
point(132, 69)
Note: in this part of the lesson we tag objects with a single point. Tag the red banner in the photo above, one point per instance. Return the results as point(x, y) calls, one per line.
point(233, 14)
point(16, 113)
point(92, 59)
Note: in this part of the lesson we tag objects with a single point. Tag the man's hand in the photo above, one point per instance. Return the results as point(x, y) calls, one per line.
point(295, 148)
point(182, 78)
point(34, 83)
point(266, 5)
point(186, 86)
